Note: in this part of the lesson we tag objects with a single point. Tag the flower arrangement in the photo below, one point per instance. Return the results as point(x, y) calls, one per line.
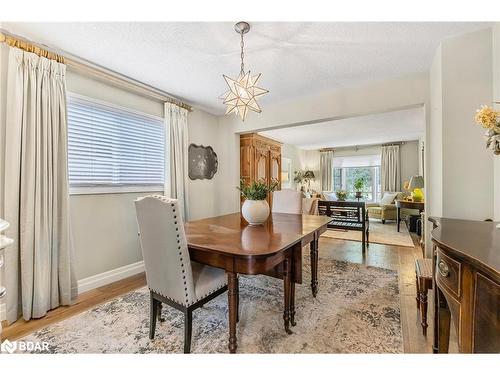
point(341, 195)
point(257, 190)
point(489, 119)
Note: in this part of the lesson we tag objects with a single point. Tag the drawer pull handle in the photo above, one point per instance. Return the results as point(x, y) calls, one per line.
point(443, 269)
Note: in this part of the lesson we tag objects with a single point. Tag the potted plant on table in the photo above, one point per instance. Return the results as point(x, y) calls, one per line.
point(255, 209)
point(341, 195)
point(359, 185)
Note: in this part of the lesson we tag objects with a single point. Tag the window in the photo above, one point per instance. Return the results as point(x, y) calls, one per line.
point(111, 148)
point(348, 169)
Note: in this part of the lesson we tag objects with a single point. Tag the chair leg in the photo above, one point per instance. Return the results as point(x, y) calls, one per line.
point(418, 291)
point(153, 311)
point(160, 318)
point(188, 327)
point(423, 309)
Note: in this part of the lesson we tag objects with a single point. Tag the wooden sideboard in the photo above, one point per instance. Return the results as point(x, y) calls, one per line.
point(260, 159)
point(467, 279)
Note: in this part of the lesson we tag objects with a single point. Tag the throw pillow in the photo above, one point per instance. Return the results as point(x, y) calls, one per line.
point(329, 196)
point(388, 198)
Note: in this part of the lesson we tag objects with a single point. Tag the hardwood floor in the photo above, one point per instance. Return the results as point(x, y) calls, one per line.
point(84, 302)
point(397, 258)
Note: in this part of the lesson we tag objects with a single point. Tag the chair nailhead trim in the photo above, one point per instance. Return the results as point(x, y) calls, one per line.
point(173, 203)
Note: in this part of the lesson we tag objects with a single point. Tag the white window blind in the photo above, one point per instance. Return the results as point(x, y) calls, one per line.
point(113, 147)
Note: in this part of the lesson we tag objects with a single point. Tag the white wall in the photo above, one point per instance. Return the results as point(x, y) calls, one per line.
point(461, 176)
point(467, 164)
point(496, 98)
point(295, 155)
point(434, 137)
point(203, 201)
point(410, 155)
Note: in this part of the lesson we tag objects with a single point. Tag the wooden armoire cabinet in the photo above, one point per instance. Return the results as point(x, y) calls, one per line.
point(260, 159)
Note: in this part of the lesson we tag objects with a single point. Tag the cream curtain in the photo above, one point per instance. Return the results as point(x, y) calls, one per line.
point(326, 170)
point(38, 269)
point(176, 157)
point(390, 169)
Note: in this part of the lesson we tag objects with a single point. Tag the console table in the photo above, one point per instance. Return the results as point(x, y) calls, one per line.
point(467, 279)
point(347, 215)
point(401, 203)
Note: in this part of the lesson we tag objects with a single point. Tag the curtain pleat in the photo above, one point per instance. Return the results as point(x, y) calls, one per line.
point(326, 170)
point(39, 266)
point(390, 169)
point(176, 184)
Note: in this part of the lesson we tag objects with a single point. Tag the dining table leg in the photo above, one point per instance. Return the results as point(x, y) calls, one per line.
point(314, 267)
point(292, 304)
point(398, 216)
point(232, 294)
point(287, 281)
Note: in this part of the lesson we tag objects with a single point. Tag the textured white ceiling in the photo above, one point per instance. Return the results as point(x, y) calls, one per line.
point(296, 59)
point(403, 125)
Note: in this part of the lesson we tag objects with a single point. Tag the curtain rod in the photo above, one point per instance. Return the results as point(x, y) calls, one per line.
point(356, 147)
point(393, 144)
point(91, 69)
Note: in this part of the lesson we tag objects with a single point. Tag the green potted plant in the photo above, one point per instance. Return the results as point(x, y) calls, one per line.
point(255, 209)
point(341, 195)
point(359, 185)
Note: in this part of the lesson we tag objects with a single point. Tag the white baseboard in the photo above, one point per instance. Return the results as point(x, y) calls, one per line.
point(99, 280)
point(109, 277)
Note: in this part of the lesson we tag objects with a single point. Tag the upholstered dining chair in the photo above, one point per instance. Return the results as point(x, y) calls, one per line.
point(171, 276)
point(287, 201)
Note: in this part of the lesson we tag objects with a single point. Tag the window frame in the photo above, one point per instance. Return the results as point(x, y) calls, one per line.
point(374, 169)
point(118, 189)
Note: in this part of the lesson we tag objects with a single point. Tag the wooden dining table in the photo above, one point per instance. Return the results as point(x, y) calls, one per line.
point(273, 249)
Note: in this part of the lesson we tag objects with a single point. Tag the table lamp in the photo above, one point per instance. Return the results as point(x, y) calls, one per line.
point(416, 185)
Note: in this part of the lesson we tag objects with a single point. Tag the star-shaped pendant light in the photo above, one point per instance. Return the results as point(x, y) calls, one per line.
point(243, 90)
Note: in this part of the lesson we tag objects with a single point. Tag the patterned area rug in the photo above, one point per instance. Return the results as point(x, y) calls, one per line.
point(357, 310)
point(386, 234)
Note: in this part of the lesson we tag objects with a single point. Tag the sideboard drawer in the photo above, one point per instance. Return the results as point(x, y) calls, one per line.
point(448, 273)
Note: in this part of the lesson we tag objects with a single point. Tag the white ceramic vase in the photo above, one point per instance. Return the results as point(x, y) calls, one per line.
point(255, 212)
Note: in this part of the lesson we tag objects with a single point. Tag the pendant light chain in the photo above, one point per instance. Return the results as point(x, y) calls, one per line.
point(242, 44)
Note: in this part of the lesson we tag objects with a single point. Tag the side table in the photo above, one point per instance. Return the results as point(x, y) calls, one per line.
point(401, 203)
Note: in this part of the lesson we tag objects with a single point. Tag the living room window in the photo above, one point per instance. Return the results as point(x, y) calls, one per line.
point(113, 149)
point(349, 168)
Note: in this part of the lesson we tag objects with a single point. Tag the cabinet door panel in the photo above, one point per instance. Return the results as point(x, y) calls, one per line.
point(262, 166)
point(486, 315)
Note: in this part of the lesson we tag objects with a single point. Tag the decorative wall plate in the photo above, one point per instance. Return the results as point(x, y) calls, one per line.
point(202, 162)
